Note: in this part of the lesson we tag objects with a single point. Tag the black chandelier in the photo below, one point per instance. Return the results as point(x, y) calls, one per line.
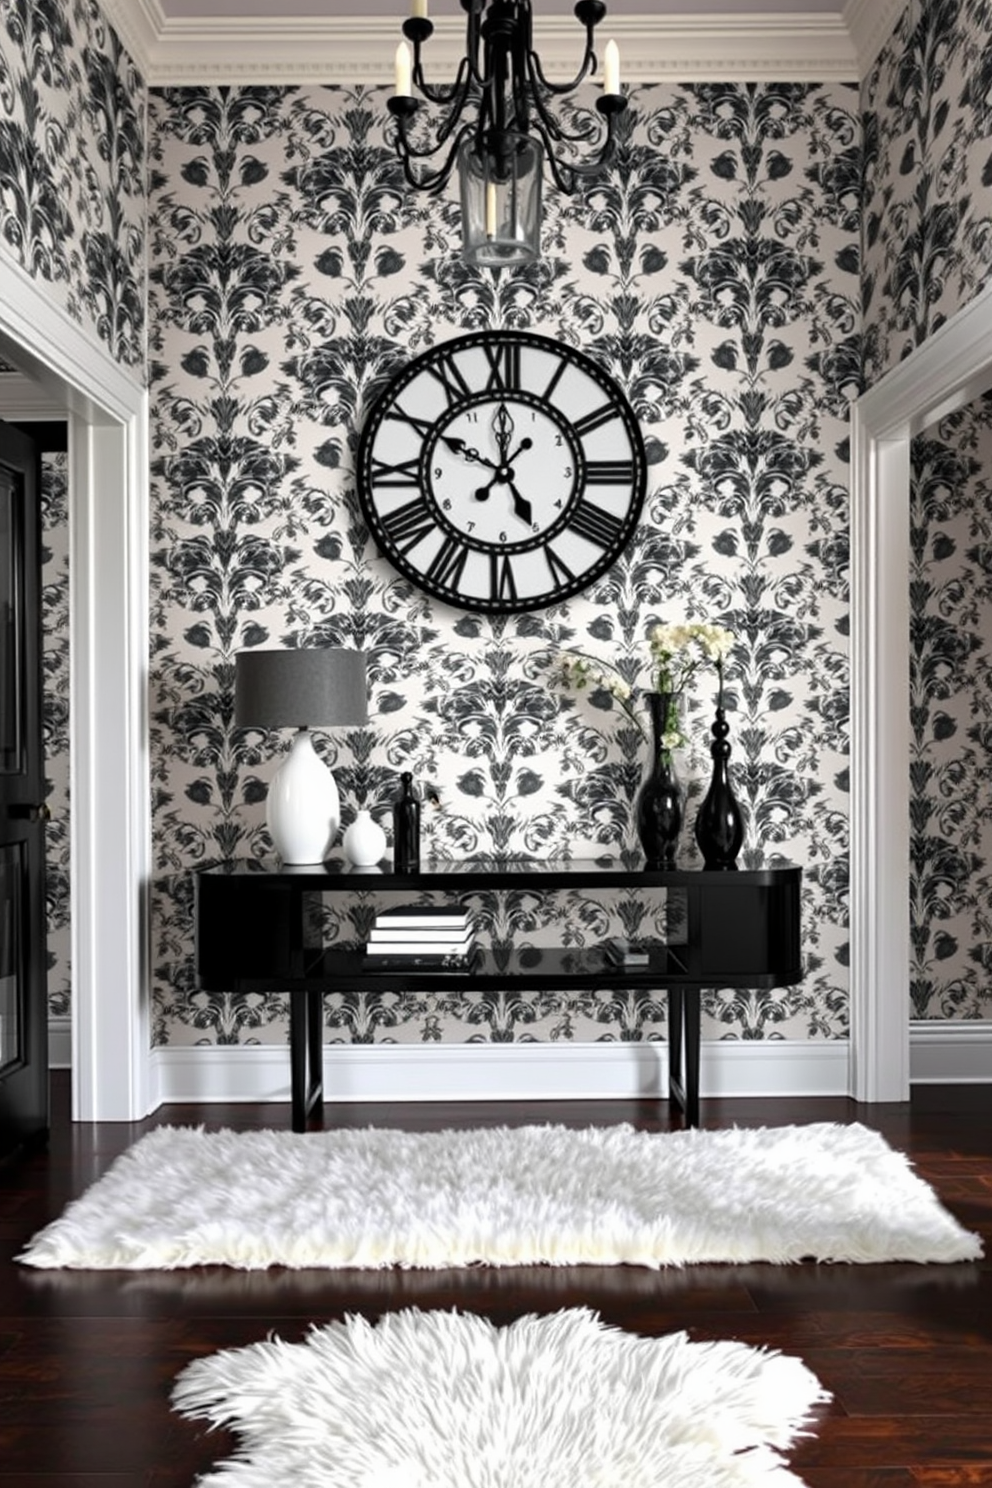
point(500, 155)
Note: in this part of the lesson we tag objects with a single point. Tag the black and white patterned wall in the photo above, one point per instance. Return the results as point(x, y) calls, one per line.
point(927, 107)
point(928, 251)
point(716, 272)
point(951, 694)
point(55, 664)
point(72, 165)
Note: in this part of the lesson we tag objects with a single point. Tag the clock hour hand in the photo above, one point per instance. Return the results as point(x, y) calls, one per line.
point(525, 444)
point(459, 447)
point(521, 506)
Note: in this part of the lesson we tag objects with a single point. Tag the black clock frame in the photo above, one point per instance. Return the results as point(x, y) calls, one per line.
point(423, 513)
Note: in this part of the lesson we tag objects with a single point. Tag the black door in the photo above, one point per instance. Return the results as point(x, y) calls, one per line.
point(23, 962)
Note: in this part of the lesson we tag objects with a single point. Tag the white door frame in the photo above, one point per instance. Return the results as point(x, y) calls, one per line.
point(109, 771)
point(948, 371)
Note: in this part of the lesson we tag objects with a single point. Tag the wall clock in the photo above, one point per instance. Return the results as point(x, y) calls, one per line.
point(502, 471)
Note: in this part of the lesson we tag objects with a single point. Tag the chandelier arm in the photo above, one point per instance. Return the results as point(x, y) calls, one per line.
point(457, 93)
point(567, 174)
point(403, 115)
point(428, 180)
point(563, 174)
point(589, 65)
point(555, 129)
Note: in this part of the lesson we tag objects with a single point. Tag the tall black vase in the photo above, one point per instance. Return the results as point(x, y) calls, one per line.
point(660, 804)
point(719, 824)
point(406, 827)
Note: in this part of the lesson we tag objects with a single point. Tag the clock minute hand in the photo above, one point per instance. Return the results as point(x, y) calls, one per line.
point(521, 506)
point(459, 447)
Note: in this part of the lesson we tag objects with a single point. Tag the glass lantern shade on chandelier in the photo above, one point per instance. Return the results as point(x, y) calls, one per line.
point(501, 153)
point(320, 685)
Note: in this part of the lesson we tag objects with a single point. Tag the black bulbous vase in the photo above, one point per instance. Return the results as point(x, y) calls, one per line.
point(660, 805)
point(720, 823)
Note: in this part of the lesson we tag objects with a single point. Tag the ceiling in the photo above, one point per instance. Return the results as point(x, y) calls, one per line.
point(354, 41)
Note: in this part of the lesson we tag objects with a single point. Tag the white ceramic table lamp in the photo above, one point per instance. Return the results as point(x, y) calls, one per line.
point(318, 685)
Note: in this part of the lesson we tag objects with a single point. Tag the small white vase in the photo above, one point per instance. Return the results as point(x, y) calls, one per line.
point(364, 841)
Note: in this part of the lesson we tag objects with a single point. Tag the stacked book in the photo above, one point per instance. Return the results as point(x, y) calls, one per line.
point(420, 935)
point(623, 952)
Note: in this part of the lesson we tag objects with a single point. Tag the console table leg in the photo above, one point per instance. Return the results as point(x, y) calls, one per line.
point(298, 1057)
point(692, 1034)
point(676, 999)
point(683, 1031)
point(315, 1040)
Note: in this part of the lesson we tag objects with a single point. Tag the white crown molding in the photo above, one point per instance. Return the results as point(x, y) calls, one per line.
point(139, 24)
point(871, 24)
point(360, 49)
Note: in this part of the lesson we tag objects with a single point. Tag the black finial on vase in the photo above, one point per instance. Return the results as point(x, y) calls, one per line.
point(720, 824)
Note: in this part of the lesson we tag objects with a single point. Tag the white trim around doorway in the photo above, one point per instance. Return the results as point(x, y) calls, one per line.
point(106, 409)
point(947, 372)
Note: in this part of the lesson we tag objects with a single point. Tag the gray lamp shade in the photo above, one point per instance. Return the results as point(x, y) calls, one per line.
point(297, 689)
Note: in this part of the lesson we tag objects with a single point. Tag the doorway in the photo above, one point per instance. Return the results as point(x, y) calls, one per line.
point(106, 410)
point(948, 371)
point(23, 962)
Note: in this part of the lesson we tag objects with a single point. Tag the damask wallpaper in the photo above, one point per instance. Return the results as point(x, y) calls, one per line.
point(927, 108)
point(55, 664)
point(951, 679)
point(927, 111)
point(72, 165)
point(714, 271)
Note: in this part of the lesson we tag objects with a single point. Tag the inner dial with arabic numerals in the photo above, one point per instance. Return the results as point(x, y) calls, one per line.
point(504, 472)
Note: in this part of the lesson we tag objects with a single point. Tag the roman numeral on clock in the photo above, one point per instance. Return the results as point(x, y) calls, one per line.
point(609, 472)
point(595, 420)
point(448, 565)
point(556, 377)
point(502, 584)
point(561, 574)
point(450, 376)
point(406, 473)
point(504, 366)
point(420, 426)
point(592, 522)
point(407, 525)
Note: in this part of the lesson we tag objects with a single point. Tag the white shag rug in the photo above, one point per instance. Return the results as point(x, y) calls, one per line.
point(447, 1400)
point(505, 1196)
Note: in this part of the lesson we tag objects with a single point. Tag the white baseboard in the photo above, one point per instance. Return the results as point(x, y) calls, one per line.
point(60, 1043)
point(940, 1054)
point(499, 1072)
point(950, 1053)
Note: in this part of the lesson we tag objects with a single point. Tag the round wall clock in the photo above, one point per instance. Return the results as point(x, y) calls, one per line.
point(502, 471)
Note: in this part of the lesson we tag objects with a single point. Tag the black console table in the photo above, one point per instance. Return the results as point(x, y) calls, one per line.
point(737, 929)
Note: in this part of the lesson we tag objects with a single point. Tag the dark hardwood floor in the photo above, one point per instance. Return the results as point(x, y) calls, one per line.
point(87, 1360)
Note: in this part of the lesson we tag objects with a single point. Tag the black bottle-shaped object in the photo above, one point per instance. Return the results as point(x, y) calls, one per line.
point(406, 827)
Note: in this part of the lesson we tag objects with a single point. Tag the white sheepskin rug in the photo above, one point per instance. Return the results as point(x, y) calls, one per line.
point(503, 1197)
point(447, 1400)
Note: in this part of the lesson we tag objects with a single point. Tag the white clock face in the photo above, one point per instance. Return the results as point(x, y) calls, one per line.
point(502, 471)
